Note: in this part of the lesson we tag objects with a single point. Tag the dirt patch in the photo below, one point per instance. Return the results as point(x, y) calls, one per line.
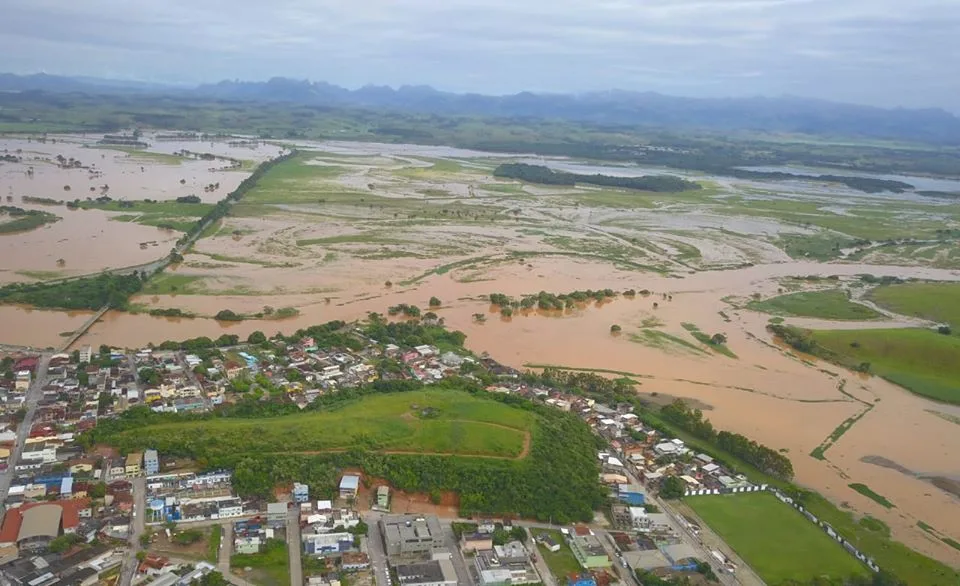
point(403, 502)
point(162, 546)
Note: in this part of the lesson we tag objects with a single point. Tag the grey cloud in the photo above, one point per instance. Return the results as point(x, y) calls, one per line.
point(884, 52)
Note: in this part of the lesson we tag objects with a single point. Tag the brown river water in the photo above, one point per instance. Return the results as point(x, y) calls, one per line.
point(765, 394)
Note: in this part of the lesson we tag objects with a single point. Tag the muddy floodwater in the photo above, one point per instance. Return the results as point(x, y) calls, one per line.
point(768, 393)
point(67, 168)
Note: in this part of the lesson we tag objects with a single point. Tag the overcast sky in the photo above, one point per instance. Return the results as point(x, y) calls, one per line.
point(881, 52)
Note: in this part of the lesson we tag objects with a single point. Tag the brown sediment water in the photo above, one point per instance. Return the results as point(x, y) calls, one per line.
point(770, 394)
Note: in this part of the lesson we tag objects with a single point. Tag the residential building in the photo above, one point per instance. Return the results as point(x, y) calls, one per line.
point(349, 485)
point(411, 534)
point(432, 573)
point(589, 551)
point(470, 542)
point(301, 493)
point(248, 545)
point(323, 544)
point(505, 564)
point(86, 354)
point(276, 514)
point(132, 464)
point(151, 462)
point(354, 561)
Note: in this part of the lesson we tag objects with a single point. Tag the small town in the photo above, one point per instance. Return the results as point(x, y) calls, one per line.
point(80, 516)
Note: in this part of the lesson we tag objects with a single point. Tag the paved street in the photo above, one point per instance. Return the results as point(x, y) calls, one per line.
point(450, 542)
point(226, 546)
point(32, 399)
point(129, 567)
point(293, 546)
point(378, 558)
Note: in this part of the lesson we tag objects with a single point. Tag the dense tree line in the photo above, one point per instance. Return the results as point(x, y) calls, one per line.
point(188, 199)
point(760, 457)
point(557, 481)
point(411, 333)
point(83, 293)
point(865, 184)
point(545, 300)
point(547, 176)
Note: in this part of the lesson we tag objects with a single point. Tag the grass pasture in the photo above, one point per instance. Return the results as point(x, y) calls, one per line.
point(428, 422)
point(939, 302)
point(561, 563)
point(922, 361)
point(777, 541)
point(829, 304)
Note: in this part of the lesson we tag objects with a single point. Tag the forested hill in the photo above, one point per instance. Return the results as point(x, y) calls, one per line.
point(610, 108)
point(547, 176)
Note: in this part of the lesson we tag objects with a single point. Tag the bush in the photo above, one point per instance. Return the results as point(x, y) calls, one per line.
point(615, 329)
point(435, 302)
point(228, 315)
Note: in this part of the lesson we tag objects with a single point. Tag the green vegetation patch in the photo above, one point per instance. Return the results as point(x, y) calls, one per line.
point(716, 342)
point(14, 219)
point(939, 302)
point(664, 341)
point(830, 304)
point(83, 293)
point(893, 556)
point(561, 563)
point(438, 422)
point(776, 540)
point(870, 494)
point(922, 361)
point(269, 567)
point(168, 283)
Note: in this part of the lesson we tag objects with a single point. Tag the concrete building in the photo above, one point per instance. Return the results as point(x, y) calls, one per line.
point(589, 551)
point(432, 573)
point(86, 354)
point(506, 564)
point(301, 493)
point(276, 514)
point(411, 535)
point(324, 544)
point(132, 464)
point(349, 485)
point(151, 462)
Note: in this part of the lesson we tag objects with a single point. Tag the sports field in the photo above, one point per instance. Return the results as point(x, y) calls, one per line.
point(777, 541)
point(428, 422)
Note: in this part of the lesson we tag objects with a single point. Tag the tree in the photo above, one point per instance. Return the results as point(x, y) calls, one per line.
point(227, 315)
point(672, 488)
point(435, 302)
point(97, 491)
point(718, 339)
point(257, 337)
point(615, 329)
point(104, 350)
point(945, 330)
point(479, 318)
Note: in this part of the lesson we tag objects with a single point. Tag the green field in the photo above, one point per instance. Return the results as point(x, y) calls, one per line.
point(561, 563)
point(268, 568)
point(922, 361)
point(426, 421)
point(831, 304)
point(777, 541)
point(939, 302)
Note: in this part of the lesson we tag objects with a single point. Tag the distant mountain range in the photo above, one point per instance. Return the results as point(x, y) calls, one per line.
point(611, 108)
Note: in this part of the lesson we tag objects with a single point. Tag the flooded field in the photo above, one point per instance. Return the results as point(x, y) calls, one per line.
point(60, 169)
point(352, 228)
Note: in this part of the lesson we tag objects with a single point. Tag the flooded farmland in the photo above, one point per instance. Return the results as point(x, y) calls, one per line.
point(368, 226)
